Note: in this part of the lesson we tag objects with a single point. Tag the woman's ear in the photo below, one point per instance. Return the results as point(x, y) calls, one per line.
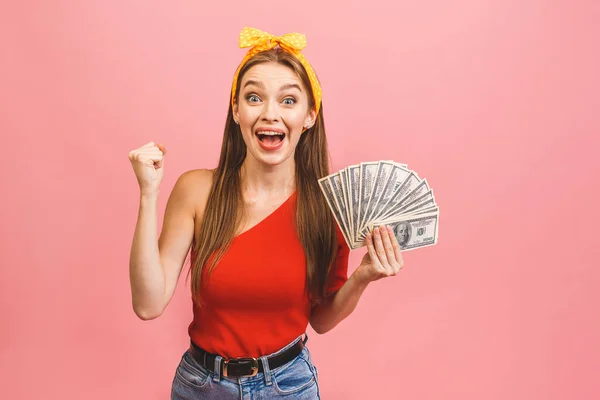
point(310, 119)
point(236, 114)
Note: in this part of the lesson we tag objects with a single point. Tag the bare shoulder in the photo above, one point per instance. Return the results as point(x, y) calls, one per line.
point(195, 186)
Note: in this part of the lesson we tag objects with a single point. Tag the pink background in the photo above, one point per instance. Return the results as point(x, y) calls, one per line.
point(495, 103)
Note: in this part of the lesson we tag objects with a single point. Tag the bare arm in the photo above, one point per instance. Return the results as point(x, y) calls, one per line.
point(383, 259)
point(156, 263)
point(334, 310)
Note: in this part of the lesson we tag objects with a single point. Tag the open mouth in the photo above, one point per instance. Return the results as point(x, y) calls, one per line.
point(270, 138)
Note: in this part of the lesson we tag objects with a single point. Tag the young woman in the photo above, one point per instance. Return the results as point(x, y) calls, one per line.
point(267, 255)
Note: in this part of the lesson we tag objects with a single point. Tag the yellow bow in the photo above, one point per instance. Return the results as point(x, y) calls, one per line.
point(293, 43)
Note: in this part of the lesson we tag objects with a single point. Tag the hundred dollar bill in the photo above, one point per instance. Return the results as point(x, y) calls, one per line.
point(339, 198)
point(424, 201)
point(418, 205)
point(426, 211)
point(414, 231)
point(373, 193)
point(354, 194)
point(409, 189)
point(346, 195)
point(396, 177)
point(368, 171)
point(325, 186)
point(409, 184)
point(383, 172)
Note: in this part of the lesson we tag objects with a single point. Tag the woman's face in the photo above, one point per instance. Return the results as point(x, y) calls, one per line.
point(272, 111)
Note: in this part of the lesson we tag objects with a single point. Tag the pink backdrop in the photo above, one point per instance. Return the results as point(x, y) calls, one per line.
point(496, 103)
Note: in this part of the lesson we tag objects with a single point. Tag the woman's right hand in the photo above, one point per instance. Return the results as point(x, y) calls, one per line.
point(147, 162)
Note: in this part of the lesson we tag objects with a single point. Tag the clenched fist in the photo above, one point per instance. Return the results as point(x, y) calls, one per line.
point(148, 162)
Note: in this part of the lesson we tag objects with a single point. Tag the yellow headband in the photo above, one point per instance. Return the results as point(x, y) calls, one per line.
point(292, 43)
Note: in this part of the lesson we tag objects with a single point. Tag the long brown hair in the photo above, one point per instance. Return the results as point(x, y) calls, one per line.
point(314, 222)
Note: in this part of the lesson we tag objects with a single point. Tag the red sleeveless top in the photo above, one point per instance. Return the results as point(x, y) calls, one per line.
point(254, 301)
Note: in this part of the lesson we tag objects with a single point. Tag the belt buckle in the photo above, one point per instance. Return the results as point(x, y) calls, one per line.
point(254, 366)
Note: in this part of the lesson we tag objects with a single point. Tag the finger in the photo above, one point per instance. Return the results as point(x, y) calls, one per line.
point(148, 155)
point(157, 159)
point(144, 152)
point(148, 152)
point(397, 251)
point(154, 153)
point(380, 250)
point(151, 160)
point(386, 238)
point(162, 148)
point(373, 254)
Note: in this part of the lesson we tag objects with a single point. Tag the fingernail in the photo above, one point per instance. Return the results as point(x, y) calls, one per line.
point(389, 228)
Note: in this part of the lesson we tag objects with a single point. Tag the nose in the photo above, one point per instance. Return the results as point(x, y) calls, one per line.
point(270, 111)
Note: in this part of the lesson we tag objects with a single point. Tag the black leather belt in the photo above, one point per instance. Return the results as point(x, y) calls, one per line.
point(246, 366)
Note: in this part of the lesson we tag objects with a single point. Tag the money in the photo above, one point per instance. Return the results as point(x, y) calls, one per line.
point(371, 194)
point(413, 231)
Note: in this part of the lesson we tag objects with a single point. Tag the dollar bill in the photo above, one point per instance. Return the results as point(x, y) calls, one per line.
point(422, 202)
point(397, 176)
point(427, 210)
point(409, 189)
point(384, 169)
point(335, 182)
point(346, 198)
point(368, 171)
point(354, 195)
point(413, 231)
point(327, 190)
point(404, 191)
point(375, 193)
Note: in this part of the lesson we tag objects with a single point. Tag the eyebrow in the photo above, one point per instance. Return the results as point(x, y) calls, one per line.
point(255, 83)
point(291, 86)
point(284, 87)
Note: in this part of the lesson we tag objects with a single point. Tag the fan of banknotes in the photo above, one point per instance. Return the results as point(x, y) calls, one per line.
point(377, 193)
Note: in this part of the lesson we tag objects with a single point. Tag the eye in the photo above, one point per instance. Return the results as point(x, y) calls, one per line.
point(289, 101)
point(252, 98)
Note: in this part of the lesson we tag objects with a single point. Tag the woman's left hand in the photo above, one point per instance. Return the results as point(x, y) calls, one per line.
point(384, 256)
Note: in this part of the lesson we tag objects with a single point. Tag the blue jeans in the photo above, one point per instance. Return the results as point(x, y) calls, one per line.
point(298, 379)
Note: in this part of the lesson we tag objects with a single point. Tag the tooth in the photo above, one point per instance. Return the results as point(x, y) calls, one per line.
point(270, 133)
